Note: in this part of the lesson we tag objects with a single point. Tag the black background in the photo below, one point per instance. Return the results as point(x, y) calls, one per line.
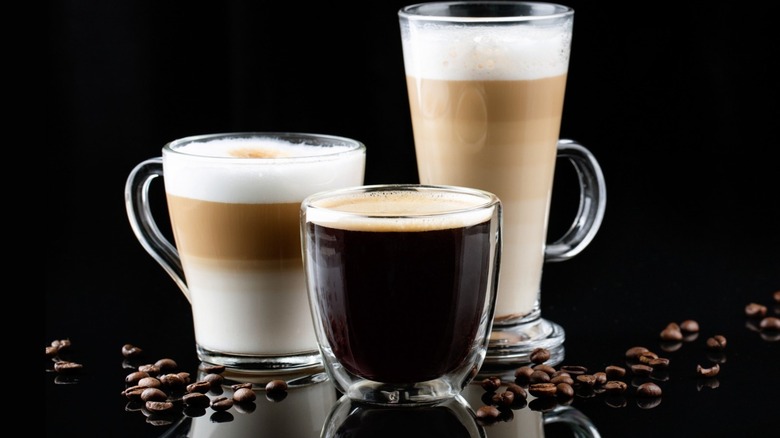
point(678, 101)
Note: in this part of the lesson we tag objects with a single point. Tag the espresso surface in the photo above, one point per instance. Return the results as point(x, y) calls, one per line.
point(401, 306)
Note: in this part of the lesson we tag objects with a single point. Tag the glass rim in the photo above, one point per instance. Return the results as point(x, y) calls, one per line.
point(302, 138)
point(416, 12)
point(490, 200)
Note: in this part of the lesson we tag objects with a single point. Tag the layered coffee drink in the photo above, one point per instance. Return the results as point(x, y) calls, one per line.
point(486, 102)
point(234, 205)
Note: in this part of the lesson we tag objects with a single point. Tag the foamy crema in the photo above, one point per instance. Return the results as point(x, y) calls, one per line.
point(400, 210)
point(490, 52)
point(258, 170)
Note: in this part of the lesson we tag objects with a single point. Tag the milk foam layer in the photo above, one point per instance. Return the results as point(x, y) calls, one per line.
point(257, 170)
point(489, 52)
point(400, 211)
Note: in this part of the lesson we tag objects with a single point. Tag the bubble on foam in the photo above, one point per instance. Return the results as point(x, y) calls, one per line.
point(489, 52)
point(298, 171)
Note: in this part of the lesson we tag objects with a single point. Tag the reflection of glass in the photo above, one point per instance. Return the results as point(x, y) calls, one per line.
point(451, 419)
point(301, 413)
point(525, 422)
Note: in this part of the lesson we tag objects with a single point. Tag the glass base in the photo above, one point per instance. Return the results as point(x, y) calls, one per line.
point(513, 345)
point(417, 394)
point(306, 362)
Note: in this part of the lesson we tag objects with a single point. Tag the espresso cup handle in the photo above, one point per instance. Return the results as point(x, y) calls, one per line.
point(143, 224)
point(593, 201)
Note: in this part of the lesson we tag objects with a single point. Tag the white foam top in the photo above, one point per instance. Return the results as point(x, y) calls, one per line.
point(400, 211)
point(259, 170)
point(486, 52)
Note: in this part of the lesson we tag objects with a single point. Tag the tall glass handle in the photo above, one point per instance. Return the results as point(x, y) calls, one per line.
point(593, 202)
point(145, 228)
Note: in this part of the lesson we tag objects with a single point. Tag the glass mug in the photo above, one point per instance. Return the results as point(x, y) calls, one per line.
point(486, 84)
point(401, 282)
point(233, 202)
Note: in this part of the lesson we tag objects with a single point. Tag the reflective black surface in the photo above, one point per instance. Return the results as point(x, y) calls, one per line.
point(678, 106)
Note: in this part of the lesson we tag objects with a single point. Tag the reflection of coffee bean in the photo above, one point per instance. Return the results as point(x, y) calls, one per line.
point(769, 323)
point(67, 367)
point(689, 326)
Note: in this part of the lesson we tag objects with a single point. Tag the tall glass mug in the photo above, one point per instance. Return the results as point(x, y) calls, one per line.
point(401, 282)
point(234, 201)
point(486, 84)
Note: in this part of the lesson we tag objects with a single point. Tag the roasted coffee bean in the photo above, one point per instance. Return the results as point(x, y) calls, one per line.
point(545, 368)
point(173, 381)
point(51, 351)
point(150, 382)
point(539, 376)
point(574, 370)
point(586, 379)
point(67, 367)
point(151, 369)
point(199, 386)
point(539, 355)
point(614, 372)
point(214, 379)
point(221, 404)
point(518, 390)
point(238, 386)
point(634, 352)
point(491, 383)
point(542, 389)
point(523, 374)
point(769, 323)
point(153, 394)
point(185, 377)
point(672, 332)
point(646, 357)
point(158, 406)
point(562, 378)
point(648, 389)
point(755, 310)
point(776, 296)
point(641, 369)
point(689, 326)
point(61, 344)
point(708, 372)
point(601, 377)
point(717, 342)
point(166, 364)
point(659, 363)
point(504, 399)
point(564, 391)
point(196, 399)
point(243, 395)
point(134, 377)
point(134, 392)
point(276, 386)
point(615, 387)
point(130, 351)
point(488, 413)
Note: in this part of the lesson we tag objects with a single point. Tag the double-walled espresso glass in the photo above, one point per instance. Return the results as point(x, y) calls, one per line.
point(486, 83)
point(401, 282)
point(234, 201)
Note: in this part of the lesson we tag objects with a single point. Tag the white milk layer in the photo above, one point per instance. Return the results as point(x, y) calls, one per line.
point(488, 52)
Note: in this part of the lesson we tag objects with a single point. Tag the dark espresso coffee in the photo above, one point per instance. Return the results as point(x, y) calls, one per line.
point(403, 304)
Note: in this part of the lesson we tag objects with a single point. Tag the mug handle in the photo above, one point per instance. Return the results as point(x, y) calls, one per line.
point(593, 202)
point(142, 222)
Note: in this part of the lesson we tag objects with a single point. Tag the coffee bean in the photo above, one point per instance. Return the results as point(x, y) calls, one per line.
point(542, 389)
point(491, 383)
point(648, 389)
point(641, 369)
point(213, 369)
point(672, 332)
point(708, 372)
point(199, 386)
point(214, 379)
point(185, 377)
point(276, 386)
point(51, 351)
point(770, 323)
point(562, 378)
point(166, 365)
point(243, 395)
point(150, 382)
point(153, 394)
point(196, 399)
point(564, 390)
point(238, 386)
point(586, 379)
point(220, 404)
point(545, 368)
point(523, 374)
point(755, 310)
point(615, 387)
point(134, 377)
point(518, 390)
point(614, 372)
point(67, 367)
point(540, 355)
point(505, 398)
point(689, 326)
point(61, 344)
point(634, 352)
point(158, 406)
point(539, 376)
point(130, 351)
point(717, 342)
point(646, 357)
point(601, 377)
point(488, 413)
point(173, 381)
point(151, 369)
point(134, 392)
point(659, 363)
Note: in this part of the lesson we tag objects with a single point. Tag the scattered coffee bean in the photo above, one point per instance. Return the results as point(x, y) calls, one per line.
point(634, 352)
point(196, 399)
point(519, 391)
point(614, 372)
point(491, 383)
point(199, 386)
point(586, 379)
point(564, 390)
point(276, 386)
point(504, 399)
point(574, 370)
point(166, 365)
point(708, 372)
point(220, 404)
point(648, 389)
point(67, 367)
point(562, 378)
point(523, 374)
point(646, 357)
point(717, 342)
point(243, 395)
point(542, 389)
point(61, 344)
point(150, 382)
point(151, 369)
point(488, 413)
point(134, 377)
point(158, 406)
point(755, 310)
point(214, 379)
point(641, 369)
point(689, 326)
point(615, 387)
point(51, 351)
point(213, 368)
point(672, 332)
point(133, 392)
point(153, 394)
point(545, 368)
point(539, 355)
point(185, 377)
point(659, 363)
point(539, 376)
point(238, 386)
point(769, 323)
point(173, 381)
point(130, 351)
